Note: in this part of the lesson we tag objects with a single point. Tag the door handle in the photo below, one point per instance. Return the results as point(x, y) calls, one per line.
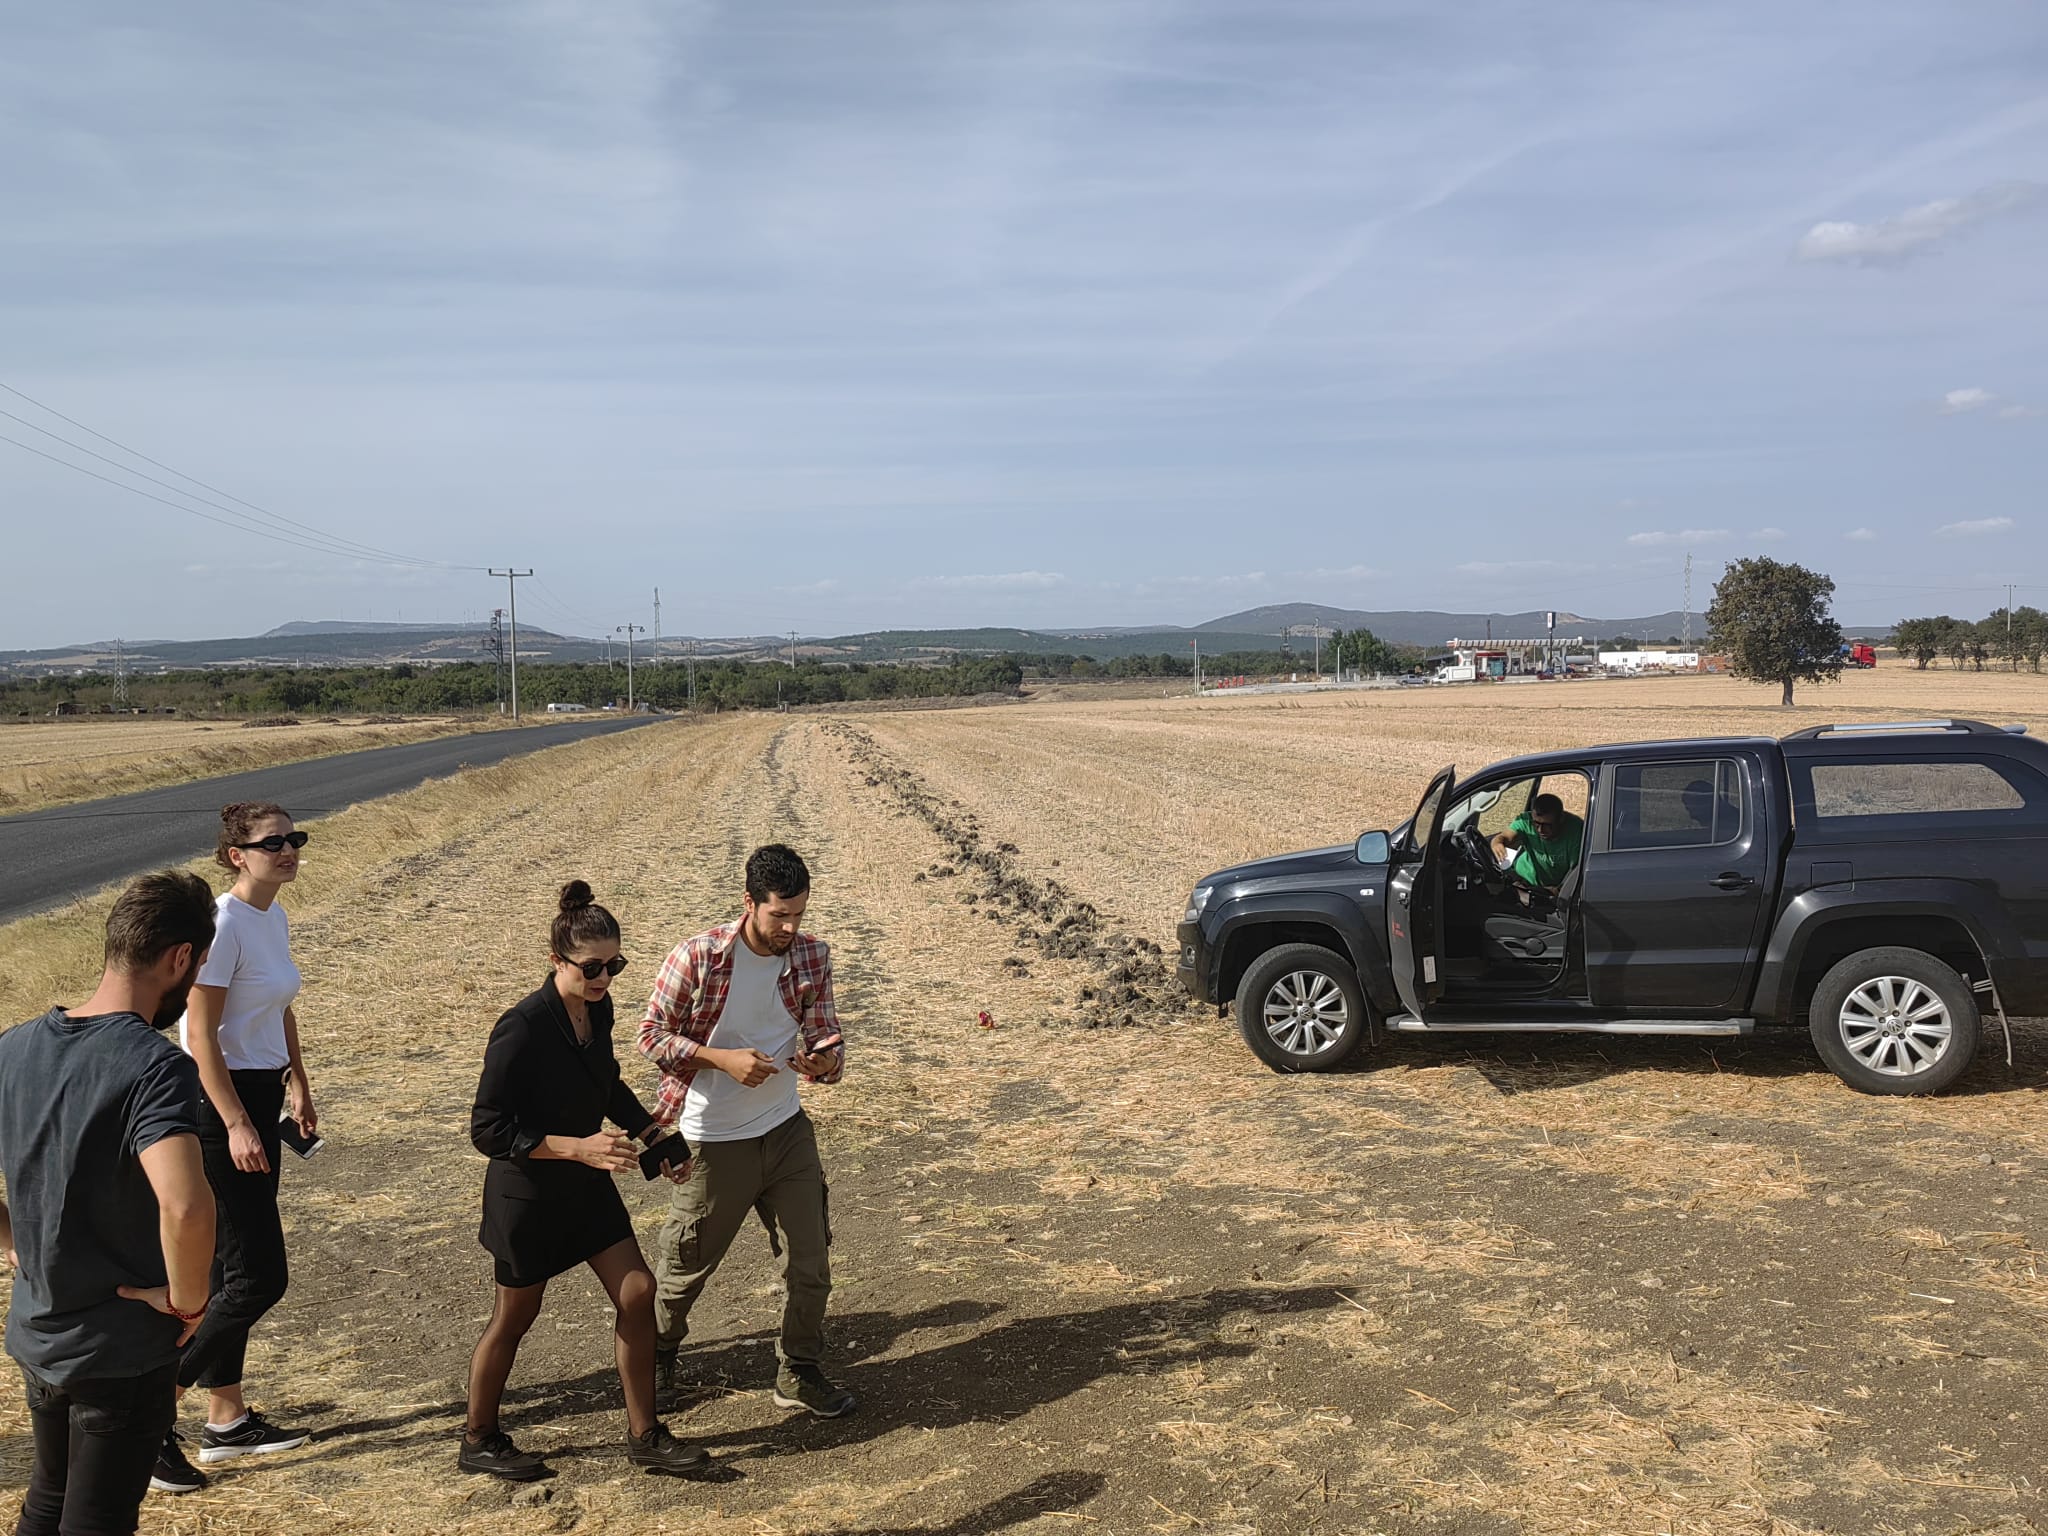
point(1731, 882)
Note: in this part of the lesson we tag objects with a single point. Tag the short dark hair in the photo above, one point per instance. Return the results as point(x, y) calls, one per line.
point(158, 913)
point(1547, 803)
point(580, 921)
point(776, 870)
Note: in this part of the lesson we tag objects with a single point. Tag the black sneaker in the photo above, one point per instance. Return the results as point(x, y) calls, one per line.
point(660, 1451)
point(174, 1474)
point(497, 1456)
point(806, 1387)
point(254, 1436)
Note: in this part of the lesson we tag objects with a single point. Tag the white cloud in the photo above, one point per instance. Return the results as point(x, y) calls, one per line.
point(1342, 573)
point(1655, 538)
point(1517, 567)
point(2021, 412)
point(1769, 535)
point(813, 588)
point(1956, 401)
point(1860, 536)
point(1971, 527)
point(998, 581)
point(1886, 242)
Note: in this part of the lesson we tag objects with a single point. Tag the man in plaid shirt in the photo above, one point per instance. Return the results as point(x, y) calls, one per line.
point(738, 1015)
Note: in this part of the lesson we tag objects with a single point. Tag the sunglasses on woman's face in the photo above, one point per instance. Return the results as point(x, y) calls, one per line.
point(277, 842)
point(592, 969)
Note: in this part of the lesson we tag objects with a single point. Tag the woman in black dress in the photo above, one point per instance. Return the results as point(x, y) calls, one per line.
point(550, 1081)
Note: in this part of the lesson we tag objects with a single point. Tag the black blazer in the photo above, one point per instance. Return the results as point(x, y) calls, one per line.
point(537, 1081)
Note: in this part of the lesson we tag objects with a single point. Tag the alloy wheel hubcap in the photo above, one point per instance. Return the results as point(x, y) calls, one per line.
point(1304, 1012)
point(1895, 1025)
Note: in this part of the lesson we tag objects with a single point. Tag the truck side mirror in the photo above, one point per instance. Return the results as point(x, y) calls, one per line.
point(1375, 848)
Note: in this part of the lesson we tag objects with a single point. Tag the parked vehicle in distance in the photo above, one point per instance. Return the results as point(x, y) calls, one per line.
point(1859, 654)
point(1875, 883)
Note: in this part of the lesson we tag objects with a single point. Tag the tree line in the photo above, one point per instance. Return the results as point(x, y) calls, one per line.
point(2004, 636)
point(480, 686)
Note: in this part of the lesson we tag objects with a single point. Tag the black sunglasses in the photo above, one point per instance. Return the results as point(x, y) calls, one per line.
point(277, 842)
point(592, 968)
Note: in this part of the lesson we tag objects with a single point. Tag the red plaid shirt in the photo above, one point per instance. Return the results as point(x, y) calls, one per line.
point(689, 995)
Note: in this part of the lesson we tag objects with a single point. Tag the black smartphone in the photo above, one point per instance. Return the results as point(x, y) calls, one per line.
point(670, 1149)
point(289, 1133)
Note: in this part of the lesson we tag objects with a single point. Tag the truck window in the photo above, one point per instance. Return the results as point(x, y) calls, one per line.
point(1696, 803)
point(1935, 795)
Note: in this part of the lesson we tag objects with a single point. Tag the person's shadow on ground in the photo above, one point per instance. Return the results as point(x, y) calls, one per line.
point(995, 1375)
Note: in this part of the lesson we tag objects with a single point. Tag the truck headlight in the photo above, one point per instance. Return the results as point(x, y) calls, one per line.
point(1196, 902)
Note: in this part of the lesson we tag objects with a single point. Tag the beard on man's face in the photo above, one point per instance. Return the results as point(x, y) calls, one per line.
point(172, 1008)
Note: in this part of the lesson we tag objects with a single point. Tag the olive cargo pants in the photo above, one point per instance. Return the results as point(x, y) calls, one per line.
point(780, 1175)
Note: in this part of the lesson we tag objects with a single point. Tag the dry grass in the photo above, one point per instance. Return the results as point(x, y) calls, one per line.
point(57, 762)
point(1127, 1278)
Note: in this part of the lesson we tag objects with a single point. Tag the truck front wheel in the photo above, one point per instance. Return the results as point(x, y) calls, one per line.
point(1300, 1008)
point(1894, 1020)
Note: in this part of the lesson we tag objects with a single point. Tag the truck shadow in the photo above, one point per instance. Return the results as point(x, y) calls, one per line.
point(1516, 1062)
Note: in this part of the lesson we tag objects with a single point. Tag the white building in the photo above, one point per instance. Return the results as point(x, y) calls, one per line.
point(1634, 663)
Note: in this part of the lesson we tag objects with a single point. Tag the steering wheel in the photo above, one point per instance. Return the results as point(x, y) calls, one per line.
point(1473, 847)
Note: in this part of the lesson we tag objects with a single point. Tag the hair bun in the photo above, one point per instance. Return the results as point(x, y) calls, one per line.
point(576, 894)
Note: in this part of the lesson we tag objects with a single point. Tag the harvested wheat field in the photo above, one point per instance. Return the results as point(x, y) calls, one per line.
point(1097, 1269)
point(57, 762)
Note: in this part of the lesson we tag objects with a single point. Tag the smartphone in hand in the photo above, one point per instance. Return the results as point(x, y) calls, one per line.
point(671, 1149)
point(289, 1133)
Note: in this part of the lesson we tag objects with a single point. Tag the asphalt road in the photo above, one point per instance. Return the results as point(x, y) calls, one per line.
point(57, 855)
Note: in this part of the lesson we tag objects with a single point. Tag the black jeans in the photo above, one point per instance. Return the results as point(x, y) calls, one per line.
point(249, 1268)
point(96, 1445)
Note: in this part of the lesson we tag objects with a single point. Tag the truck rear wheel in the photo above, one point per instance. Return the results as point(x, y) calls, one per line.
point(1300, 1008)
point(1894, 1020)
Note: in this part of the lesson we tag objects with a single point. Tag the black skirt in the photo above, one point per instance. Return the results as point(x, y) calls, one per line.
point(536, 1228)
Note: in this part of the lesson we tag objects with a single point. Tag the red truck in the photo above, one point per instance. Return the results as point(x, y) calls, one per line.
point(1859, 654)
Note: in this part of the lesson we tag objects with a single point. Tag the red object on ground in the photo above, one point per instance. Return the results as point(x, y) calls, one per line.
point(987, 1021)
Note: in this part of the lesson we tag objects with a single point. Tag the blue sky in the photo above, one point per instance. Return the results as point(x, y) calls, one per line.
point(830, 317)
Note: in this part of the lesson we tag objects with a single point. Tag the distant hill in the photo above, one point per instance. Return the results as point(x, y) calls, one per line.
point(364, 627)
point(1433, 627)
point(330, 643)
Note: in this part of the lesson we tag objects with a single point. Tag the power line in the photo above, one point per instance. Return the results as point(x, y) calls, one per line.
point(179, 506)
point(276, 517)
point(347, 548)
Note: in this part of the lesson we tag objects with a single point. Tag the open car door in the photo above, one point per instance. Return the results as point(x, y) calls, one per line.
point(1415, 902)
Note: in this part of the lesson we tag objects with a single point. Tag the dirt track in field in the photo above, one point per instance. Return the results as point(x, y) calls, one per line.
point(1097, 1269)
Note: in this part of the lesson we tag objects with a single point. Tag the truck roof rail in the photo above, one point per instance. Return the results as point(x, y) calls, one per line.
point(1907, 727)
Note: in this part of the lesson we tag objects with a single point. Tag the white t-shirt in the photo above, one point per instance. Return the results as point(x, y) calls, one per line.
point(718, 1109)
point(252, 958)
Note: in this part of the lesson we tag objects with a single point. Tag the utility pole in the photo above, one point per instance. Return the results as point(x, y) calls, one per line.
point(1319, 650)
point(2010, 659)
point(1197, 644)
point(1688, 604)
point(121, 670)
point(792, 650)
point(629, 631)
point(657, 619)
point(512, 580)
point(494, 647)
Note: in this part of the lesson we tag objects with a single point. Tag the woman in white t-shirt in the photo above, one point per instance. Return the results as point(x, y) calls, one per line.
point(242, 1033)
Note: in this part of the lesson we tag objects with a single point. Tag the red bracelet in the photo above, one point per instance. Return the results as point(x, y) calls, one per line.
point(184, 1317)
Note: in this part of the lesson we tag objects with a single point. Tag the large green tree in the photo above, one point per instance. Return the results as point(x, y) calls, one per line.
point(1772, 619)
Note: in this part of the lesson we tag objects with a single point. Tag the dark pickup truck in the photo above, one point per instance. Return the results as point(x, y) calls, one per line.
point(1877, 883)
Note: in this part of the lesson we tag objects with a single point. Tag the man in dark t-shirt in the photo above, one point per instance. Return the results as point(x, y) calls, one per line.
point(108, 1221)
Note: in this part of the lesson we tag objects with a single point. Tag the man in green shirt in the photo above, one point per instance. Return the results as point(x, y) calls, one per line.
point(1545, 840)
